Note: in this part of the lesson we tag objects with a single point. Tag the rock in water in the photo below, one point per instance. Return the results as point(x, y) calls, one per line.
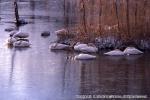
point(132, 51)
point(89, 49)
point(12, 33)
point(11, 40)
point(10, 29)
point(78, 46)
point(46, 33)
point(115, 53)
point(21, 44)
point(22, 22)
point(85, 48)
point(84, 57)
point(58, 46)
point(21, 35)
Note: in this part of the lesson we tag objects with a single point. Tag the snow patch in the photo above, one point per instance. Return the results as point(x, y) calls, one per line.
point(58, 46)
point(132, 51)
point(85, 48)
point(116, 52)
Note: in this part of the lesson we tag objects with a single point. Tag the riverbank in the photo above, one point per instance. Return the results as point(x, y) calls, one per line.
point(101, 42)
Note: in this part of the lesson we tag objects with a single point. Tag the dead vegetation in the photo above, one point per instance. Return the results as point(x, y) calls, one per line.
point(126, 19)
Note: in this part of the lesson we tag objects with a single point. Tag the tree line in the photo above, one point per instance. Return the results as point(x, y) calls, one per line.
point(126, 19)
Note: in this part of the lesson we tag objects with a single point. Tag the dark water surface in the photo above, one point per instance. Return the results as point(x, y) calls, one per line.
point(40, 74)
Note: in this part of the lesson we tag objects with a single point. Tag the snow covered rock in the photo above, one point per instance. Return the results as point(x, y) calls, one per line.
point(12, 33)
point(132, 51)
point(84, 57)
point(58, 46)
point(11, 40)
point(78, 46)
point(89, 49)
point(21, 44)
point(21, 35)
point(85, 48)
point(61, 32)
point(116, 52)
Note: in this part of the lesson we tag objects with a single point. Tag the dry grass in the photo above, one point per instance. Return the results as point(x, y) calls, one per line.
point(126, 19)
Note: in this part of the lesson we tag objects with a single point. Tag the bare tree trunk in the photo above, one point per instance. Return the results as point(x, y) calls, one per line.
point(16, 12)
point(91, 14)
point(135, 17)
point(127, 16)
point(83, 17)
point(100, 16)
point(145, 22)
point(117, 14)
point(65, 17)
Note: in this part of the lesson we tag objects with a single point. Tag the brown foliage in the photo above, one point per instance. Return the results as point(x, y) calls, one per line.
point(127, 19)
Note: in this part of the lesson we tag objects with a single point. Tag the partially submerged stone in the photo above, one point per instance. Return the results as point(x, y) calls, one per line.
point(21, 44)
point(11, 40)
point(58, 46)
point(78, 46)
point(9, 29)
point(85, 48)
point(89, 49)
point(116, 52)
point(12, 33)
point(22, 22)
point(21, 35)
point(84, 57)
point(45, 33)
point(132, 51)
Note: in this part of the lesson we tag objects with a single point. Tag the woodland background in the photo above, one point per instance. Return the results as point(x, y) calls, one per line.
point(125, 19)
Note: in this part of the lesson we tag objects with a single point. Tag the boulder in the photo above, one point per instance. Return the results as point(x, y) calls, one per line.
point(132, 51)
point(12, 33)
point(89, 49)
point(21, 44)
point(45, 33)
point(22, 22)
point(21, 35)
point(9, 29)
point(78, 46)
point(11, 40)
point(85, 48)
point(84, 57)
point(116, 52)
point(58, 46)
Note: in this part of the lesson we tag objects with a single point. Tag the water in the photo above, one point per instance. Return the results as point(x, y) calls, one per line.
point(37, 73)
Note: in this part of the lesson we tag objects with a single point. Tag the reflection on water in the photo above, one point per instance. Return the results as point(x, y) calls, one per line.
point(37, 73)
